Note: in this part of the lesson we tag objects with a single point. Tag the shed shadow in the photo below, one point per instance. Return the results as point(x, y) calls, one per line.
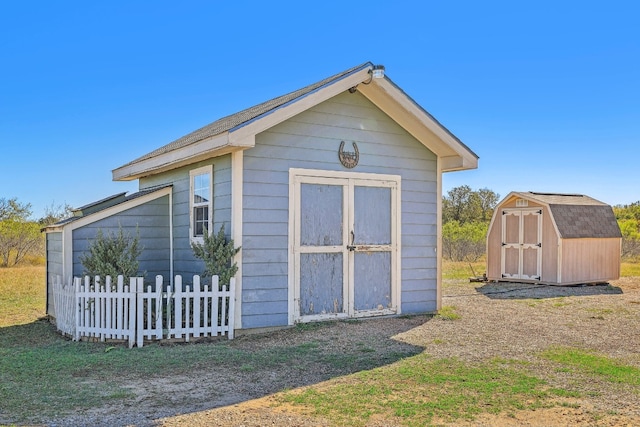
point(211, 374)
point(516, 290)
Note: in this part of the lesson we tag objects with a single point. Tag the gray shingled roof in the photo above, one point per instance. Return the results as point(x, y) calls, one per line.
point(235, 120)
point(578, 216)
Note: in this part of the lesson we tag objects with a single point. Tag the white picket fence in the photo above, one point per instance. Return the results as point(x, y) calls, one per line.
point(104, 310)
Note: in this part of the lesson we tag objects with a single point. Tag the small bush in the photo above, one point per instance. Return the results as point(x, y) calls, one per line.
point(112, 255)
point(217, 254)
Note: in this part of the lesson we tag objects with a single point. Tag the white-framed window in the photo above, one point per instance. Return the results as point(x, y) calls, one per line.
point(200, 201)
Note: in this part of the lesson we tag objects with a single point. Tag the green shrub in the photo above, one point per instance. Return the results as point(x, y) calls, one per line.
point(464, 241)
point(112, 255)
point(217, 254)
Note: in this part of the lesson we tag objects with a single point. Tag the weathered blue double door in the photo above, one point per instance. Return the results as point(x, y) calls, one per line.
point(345, 246)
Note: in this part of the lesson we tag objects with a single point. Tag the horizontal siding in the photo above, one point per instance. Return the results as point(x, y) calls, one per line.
point(311, 140)
point(272, 318)
point(150, 221)
point(54, 257)
point(184, 261)
point(265, 295)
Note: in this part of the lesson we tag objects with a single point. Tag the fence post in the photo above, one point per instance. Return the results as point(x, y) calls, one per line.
point(216, 326)
point(159, 325)
point(122, 308)
point(139, 288)
point(108, 309)
point(197, 293)
point(177, 307)
point(232, 307)
point(77, 307)
point(131, 318)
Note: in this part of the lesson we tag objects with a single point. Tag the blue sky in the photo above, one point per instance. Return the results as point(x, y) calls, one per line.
point(547, 93)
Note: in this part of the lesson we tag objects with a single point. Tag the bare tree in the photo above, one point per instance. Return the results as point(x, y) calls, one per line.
point(19, 236)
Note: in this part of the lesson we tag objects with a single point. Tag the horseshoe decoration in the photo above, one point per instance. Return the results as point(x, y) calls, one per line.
point(349, 159)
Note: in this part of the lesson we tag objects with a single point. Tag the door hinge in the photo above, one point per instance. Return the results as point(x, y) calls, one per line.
point(540, 212)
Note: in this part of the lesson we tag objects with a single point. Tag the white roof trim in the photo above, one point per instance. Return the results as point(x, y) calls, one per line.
point(113, 210)
point(173, 159)
point(408, 114)
point(381, 91)
point(297, 106)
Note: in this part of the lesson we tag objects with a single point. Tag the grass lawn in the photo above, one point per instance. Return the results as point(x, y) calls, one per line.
point(22, 295)
point(43, 373)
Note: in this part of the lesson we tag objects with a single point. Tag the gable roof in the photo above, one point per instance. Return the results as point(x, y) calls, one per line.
point(576, 215)
point(237, 131)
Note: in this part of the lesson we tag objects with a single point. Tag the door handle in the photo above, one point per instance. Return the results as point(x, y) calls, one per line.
point(352, 247)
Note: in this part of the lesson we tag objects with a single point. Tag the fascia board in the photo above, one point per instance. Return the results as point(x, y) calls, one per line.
point(402, 109)
point(290, 109)
point(209, 147)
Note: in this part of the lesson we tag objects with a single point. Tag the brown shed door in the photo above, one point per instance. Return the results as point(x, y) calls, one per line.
point(521, 244)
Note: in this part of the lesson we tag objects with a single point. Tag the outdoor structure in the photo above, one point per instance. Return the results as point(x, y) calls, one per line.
point(560, 239)
point(332, 191)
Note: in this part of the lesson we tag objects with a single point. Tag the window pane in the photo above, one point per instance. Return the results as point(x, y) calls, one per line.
point(201, 220)
point(201, 190)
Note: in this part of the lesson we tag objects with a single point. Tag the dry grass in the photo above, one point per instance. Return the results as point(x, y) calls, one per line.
point(22, 294)
point(537, 332)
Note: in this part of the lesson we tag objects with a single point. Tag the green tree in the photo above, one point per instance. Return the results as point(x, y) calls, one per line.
point(463, 204)
point(465, 220)
point(11, 209)
point(18, 239)
point(464, 242)
point(630, 229)
point(630, 211)
point(112, 255)
point(217, 254)
point(628, 217)
point(487, 201)
point(55, 213)
point(456, 206)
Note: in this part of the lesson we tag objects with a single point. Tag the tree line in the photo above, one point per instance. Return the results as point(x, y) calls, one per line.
point(628, 217)
point(466, 214)
point(21, 236)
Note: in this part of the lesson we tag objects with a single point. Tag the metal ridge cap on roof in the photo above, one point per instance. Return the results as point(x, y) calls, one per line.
point(557, 194)
point(240, 118)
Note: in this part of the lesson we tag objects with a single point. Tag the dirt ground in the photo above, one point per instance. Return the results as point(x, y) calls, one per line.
point(511, 321)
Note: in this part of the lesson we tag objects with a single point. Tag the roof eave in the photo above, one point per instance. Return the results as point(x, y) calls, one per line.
point(240, 137)
point(394, 102)
point(457, 163)
point(298, 105)
point(213, 146)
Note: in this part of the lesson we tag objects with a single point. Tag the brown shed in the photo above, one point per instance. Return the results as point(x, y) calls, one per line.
point(560, 239)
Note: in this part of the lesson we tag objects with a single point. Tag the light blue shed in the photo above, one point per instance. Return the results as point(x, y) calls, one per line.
point(333, 191)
